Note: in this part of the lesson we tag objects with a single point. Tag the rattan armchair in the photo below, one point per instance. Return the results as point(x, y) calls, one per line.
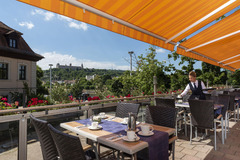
point(124, 108)
point(202, 116)
point(69, 147)
point(163, 116)
point(49, 150)
point(170, 102)
point(233, 105)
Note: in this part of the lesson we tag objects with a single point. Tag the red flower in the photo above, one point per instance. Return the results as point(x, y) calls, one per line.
point(129, 95)
point(4, 99)
point(40, 101)
point(70, 97)
point(34, 99)
point(90, 98)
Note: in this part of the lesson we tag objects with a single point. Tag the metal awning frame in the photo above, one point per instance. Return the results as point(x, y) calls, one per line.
point(215, 40)
point(214, 60)
point(201, 20)
point(114, 19)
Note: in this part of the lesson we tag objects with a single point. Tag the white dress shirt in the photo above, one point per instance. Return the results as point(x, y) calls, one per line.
point(188, 87)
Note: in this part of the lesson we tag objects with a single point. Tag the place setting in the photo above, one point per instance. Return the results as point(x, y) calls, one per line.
point(95, 126)
point(131, 137)
point(146, 130)
point(102, 115)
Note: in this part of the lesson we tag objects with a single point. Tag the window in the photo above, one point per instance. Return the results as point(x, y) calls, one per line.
point(22, 72)
point(3, 71)
point(12, 43)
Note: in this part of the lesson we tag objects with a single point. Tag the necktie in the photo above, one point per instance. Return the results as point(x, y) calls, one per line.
point(194, 85)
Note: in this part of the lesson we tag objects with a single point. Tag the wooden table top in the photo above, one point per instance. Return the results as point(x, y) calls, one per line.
point(102, 136)
point(131, 147)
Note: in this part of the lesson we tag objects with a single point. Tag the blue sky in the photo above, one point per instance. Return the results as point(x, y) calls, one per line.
point(63, 40)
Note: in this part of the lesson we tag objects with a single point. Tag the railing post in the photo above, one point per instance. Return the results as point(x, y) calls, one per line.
point(155, 88)
point(22, 141)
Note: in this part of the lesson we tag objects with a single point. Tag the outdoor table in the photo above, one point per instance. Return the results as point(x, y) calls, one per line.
point(217, 107)
point(186, 105)
point(103, 136)
point(237, 98)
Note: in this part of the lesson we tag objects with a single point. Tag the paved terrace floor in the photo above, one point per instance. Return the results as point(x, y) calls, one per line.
point(200, 149)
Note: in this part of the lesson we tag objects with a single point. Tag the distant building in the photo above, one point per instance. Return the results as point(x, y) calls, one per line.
point(69, 67)
point(90, 77)
point(17, 61)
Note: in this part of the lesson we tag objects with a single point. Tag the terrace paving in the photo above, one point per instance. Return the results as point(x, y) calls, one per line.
point(200, 149)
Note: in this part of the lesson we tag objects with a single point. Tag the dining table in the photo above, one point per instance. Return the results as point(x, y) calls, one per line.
point(113, 131)
point(186, 105)
point(217, 107)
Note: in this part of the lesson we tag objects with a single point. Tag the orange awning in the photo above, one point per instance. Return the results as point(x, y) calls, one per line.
point(161, 23)
point(219, 42)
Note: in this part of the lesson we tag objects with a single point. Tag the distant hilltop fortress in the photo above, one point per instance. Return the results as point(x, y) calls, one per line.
point(69, 67)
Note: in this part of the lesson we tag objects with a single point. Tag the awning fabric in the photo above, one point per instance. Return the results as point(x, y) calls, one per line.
point(152, 21)
point(220, 50)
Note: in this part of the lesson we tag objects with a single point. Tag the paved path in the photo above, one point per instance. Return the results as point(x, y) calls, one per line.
point(205, 149)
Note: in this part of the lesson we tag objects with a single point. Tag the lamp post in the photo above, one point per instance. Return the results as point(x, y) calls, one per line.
point(130, 53)
point(50, 65)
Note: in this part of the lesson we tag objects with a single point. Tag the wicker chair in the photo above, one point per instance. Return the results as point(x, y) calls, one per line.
point(225, 92)
point(166, 102)
point(202, 116)
point(124, 108)
point(162, 116)
point(69, 147)
point(49, 150)
point(170, 102)
point(208, 96)
point(225, 99)
point(233, 105)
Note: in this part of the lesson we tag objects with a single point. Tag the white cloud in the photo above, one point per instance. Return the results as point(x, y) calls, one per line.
point(47, 15)
point(75, 25)
point(54, 58)
point(64, 18)
point(29, 25)
point(71, 22)
point(160, 50)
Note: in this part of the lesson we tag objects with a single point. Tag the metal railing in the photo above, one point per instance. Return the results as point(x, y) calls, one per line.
point(22, 114)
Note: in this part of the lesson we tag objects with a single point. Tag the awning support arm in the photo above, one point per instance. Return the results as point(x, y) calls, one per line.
point(212, 41)
point(115, 19)
point(201, 20)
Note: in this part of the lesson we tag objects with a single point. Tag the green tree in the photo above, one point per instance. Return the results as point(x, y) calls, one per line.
point(179, 78)
point(41, 89)
point(149, 66)
point(234, 78)
point(117, 87)
point(76, 89)
point(60, 93)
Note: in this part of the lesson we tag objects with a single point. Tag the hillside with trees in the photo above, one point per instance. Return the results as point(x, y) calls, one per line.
point(60, 74)
point(118, 83)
